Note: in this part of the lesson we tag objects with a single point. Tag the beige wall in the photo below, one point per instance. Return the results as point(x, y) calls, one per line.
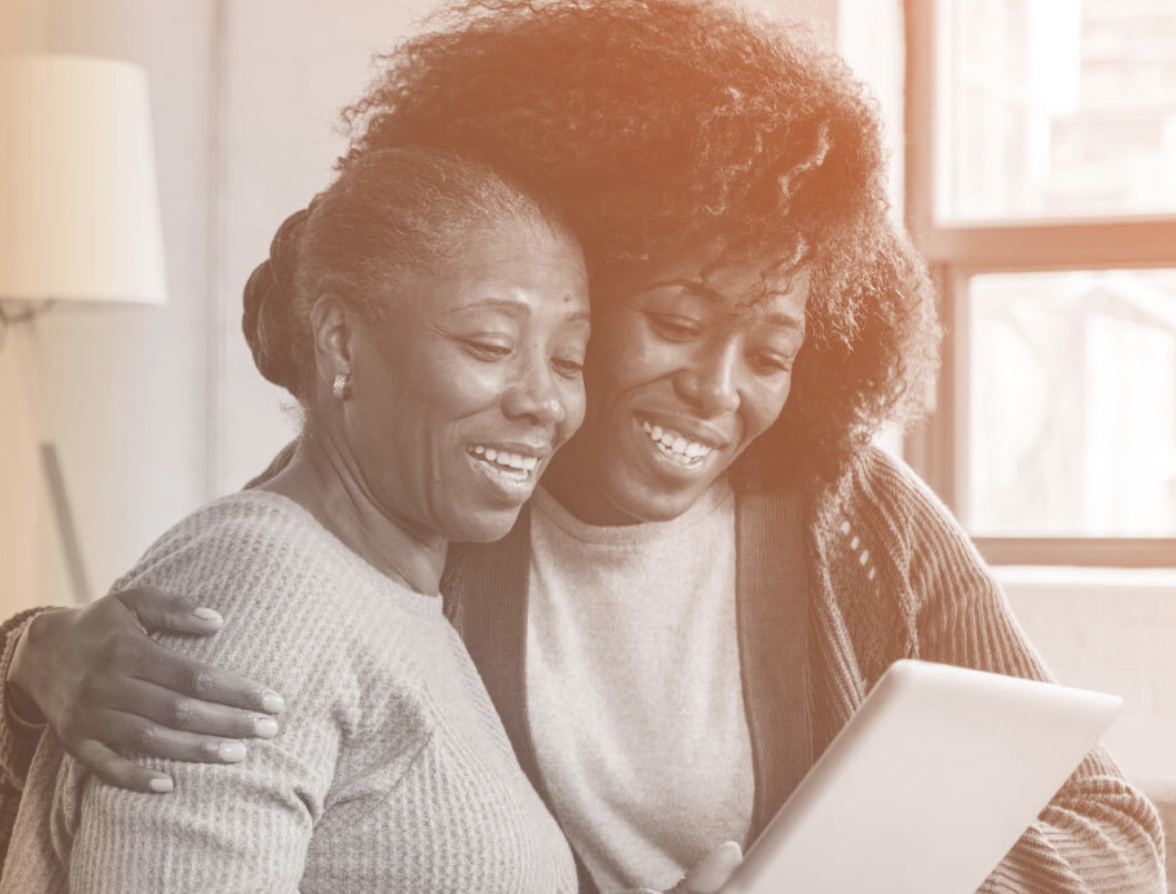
point(122, 390)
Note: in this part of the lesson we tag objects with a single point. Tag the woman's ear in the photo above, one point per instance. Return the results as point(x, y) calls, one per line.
point(333, 323)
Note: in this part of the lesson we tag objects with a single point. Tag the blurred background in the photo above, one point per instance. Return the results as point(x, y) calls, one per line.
point(1034, 158)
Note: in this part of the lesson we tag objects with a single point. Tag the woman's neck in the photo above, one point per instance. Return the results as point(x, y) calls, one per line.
point(324, 479)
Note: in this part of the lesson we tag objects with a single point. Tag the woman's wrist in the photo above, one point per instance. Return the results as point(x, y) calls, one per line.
point(21, 678)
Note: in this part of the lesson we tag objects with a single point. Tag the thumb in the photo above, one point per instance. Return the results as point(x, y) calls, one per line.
point(714, 870)
point(156, 610)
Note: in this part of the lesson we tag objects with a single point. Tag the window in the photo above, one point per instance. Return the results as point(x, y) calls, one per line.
point(1041, 187)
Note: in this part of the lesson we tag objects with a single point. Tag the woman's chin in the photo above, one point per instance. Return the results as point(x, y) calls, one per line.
point(480, 524)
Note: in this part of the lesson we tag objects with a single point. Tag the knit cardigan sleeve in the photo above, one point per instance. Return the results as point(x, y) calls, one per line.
point(1099, 835)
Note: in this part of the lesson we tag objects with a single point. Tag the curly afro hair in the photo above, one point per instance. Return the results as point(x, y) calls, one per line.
point(650, 124)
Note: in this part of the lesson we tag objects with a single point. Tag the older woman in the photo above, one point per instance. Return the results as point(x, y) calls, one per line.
point(719, 565)
point(432, 322)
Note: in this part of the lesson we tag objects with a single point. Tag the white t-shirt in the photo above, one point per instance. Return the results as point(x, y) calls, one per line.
point(634, 690)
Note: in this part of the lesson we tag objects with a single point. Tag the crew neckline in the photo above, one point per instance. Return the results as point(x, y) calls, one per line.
point(715, 498)
point(421, 603)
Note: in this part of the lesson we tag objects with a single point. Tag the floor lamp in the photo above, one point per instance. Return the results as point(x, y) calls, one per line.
point(79, 209)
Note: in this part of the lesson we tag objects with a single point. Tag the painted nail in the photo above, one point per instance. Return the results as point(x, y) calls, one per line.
point(273, 702)
point(207, 614)
point(161, 784)
point(265, 727)
point(231, 752)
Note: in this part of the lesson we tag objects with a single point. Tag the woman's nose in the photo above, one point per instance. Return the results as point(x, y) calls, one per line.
point(709, 384)
point(535, 399)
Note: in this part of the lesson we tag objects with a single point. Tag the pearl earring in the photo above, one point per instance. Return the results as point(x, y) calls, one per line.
point(341, 388)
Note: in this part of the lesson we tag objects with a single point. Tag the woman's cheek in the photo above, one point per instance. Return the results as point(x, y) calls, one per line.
point(575, 405)
point(767, 405)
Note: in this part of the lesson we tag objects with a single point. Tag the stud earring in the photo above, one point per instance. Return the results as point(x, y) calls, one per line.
point(341, 388)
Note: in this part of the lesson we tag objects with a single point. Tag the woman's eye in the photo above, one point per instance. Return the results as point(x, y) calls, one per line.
point(485, 349)
point(568, 367)
point(675, 327)
point(772, 363)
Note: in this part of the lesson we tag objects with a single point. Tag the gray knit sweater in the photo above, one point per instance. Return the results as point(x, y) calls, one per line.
point(391, 771)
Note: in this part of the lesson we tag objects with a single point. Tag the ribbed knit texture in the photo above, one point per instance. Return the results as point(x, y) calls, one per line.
point(391, 771)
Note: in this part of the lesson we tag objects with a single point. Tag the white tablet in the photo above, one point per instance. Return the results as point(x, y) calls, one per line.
point(928, 786)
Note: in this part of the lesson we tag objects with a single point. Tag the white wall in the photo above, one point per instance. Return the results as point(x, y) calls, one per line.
point(123, 390)
point(1114, 631)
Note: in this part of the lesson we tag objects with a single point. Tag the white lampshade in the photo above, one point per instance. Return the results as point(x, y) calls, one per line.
point(79, 208)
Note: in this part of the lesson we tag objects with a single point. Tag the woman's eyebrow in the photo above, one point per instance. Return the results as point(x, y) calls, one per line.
point(507, 304)
point(693, 286)
point(512, 306)
point(783, 320)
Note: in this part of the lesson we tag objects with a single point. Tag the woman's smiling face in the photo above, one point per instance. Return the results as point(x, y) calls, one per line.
point(464, 391)
point(691, 361)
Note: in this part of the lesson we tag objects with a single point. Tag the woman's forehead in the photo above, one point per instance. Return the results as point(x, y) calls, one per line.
point(738, 279)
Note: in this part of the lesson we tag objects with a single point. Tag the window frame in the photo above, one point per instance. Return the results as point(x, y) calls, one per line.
point(955, 253)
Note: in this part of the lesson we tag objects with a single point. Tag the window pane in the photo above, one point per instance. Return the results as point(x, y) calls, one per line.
point(1056, 108)
point(1071, 401)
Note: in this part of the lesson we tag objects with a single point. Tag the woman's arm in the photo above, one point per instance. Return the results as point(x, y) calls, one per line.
point(1099, 834)
point(242, 828)
point(99, 680)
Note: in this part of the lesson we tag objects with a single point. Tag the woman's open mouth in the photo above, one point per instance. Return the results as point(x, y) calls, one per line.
point(675, 446)
point(512, 472)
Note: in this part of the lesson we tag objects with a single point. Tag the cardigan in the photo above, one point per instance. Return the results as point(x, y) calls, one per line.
point(832, 587)
point(391, 770)
point(879, 571)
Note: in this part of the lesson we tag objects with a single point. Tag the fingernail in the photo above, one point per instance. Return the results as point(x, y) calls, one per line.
point(207, 614)
point(732, 848)
point(231, 752)
point(161, 784)
point(273, 702)
point(266, 727)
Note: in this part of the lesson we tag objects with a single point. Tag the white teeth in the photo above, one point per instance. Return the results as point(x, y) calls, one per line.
point(676, 445)
point(506, 460)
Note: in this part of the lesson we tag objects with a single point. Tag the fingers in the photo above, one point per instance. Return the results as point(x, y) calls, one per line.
point(161, 666)
point(130, 732)
point(714, 870)
point(157, 610)
point(182, 713)
point(117, 771)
